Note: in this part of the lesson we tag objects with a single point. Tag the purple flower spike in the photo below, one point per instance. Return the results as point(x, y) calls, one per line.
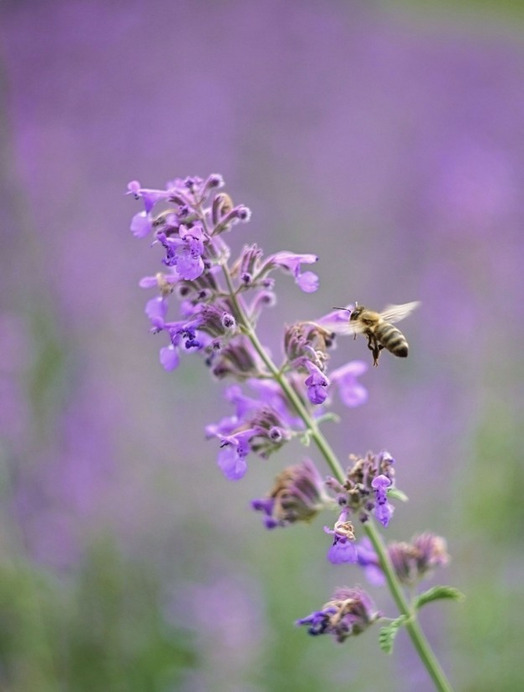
point(351, 391)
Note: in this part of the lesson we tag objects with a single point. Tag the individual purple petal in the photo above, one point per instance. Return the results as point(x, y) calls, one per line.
point(337, 321)
point(342, 551)
point(188, 265)
point(141, 224)
point(148, 282)
point(384, 512)
point(156, 310)
point(133, 188)
point(169, 357)
point(232, 464)
point(308, 282)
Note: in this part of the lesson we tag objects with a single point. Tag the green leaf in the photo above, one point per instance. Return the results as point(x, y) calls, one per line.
point(328, 418)
point(397, 494)
point(436, 593)
point(389, 632)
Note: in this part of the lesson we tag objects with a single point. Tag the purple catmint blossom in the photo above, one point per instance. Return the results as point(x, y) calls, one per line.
point(316, 383)
point(412, 561)
point(298, 494)
point(343, 549)
point(260, 425)
point(349, 612)
point(366, 487)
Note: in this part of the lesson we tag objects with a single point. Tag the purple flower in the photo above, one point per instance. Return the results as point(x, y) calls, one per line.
point(259, 425)
point(349, 612)
point(184, 252)
point(298, 494)
point(366, 485)
point(383, 509)
point(343, 549)
point(351, 391)
point(317, 383)
point(233, 453)
point(291, 262)
point(149, 197)
point(411, 561)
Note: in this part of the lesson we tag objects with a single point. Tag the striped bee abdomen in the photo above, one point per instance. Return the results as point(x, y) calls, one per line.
point(392, 338)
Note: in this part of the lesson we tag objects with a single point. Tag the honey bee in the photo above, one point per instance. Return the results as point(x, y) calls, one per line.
point(378, 328)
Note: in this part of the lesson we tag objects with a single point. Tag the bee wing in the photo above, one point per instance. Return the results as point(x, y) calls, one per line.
point(395, 313)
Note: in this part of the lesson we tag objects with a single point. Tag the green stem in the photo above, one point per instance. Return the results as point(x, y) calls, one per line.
point(418, 638)
point(415, 632)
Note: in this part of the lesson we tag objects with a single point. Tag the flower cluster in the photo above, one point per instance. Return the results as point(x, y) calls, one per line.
point(219, 303)
point(349, 612)
point(298, 494)
point(412, 561)
point(366, 487)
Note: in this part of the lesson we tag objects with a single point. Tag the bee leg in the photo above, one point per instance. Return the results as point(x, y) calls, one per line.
point(375, 348)
point(376, 353)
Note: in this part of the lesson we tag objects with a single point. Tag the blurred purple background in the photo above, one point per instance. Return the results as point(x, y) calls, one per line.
point(387, 142)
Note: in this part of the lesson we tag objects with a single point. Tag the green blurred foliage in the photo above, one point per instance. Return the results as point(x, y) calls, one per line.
point(101, 628)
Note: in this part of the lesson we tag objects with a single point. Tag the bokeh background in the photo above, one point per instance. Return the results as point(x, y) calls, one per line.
point(387, 139)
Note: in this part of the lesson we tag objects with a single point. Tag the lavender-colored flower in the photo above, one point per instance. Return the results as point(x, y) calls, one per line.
point(291, 262)
point(298, 494)
point(316, 383)
point(259, 425)
point(148, 196)
point(233, 453)
point(307, 341)
point(350, 612)
point(351, 391)
point(415, 560)
point(236, 359)
point(366, 486)
point(343, 549)
point(383, 509)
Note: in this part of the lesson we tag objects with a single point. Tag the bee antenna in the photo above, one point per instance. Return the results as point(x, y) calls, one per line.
point(337, 308)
